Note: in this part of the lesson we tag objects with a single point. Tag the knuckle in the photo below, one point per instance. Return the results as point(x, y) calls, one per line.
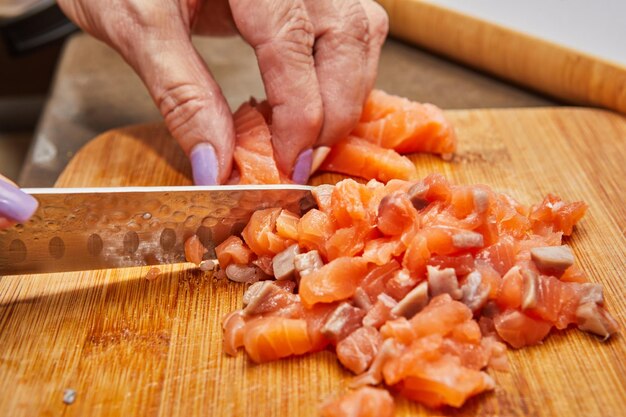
point(293, 37)
point(378, 23)
point(179, 104)
point(296, 28)
point(290, 24)
point(354, 20)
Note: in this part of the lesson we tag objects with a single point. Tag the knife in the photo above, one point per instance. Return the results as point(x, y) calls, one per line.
point(96, 228)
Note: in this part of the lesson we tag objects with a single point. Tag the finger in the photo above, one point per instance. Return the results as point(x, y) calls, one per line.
point(282, 36)
point(191, 102)
point(340, 62)
point(15, 205)
point(378, 24)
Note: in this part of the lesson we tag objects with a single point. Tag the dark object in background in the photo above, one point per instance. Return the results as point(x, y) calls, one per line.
point(39, 25)
point(32, 33)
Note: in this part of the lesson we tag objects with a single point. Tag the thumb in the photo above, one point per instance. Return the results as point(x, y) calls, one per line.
point(191, 102)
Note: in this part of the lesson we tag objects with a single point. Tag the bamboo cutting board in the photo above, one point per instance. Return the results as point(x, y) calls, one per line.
point(129, 346)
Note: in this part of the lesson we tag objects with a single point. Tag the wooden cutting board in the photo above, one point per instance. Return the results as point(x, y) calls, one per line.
point(128, 346)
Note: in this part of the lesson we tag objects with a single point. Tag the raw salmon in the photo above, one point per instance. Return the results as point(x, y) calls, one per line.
point(358, 157)
point(389, 126)
point(233, 250)
point(254, 154)
point(416, 285)
point(362, 402)
point(335, 281)
point(270, 338)
point(396, 123)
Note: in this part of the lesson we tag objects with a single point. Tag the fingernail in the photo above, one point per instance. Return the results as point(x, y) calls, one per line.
point(302, 168)
point(204, 166)
point(16, 204)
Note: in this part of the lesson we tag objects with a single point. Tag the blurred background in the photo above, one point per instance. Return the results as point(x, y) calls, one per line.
point(32, 32)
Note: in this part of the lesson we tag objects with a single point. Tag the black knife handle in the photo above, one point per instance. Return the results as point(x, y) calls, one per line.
point(35, 28)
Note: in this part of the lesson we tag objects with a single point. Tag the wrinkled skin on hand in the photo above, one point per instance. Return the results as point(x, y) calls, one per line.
point(317, 58)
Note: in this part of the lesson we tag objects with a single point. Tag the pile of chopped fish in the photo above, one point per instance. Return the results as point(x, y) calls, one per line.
point(417, 286)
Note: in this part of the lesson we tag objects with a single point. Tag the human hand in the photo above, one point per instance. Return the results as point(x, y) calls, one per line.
point(15, 205)
point(318, 61)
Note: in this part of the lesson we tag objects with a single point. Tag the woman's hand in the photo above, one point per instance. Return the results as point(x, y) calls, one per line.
point(318, 61)
point(15, 205)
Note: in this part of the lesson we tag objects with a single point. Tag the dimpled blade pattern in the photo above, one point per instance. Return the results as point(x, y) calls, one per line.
point(105, 228)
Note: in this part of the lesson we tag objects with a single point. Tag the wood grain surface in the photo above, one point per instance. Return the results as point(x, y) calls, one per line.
point(544, 66)
point(129, 346)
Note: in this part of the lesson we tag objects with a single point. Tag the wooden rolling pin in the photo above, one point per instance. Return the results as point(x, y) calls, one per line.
point(544, 66)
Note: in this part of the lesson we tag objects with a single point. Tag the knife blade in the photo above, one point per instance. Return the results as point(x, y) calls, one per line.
point(95, 228)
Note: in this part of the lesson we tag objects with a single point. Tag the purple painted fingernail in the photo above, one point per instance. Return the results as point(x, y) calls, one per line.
point(204, 164)
point(15, 204)
point(302, 168)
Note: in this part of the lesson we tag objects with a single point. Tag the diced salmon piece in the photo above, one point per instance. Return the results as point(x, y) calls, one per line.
point(405, 126)
point(349, 204)
point(323, 196)
point(362, 402)
point(440, 316)
point(308, 262)
point(287, 225)
point(254, 154)
point(360, 158)
point(426, 373)
point(270, 338)
point(316, 317)
point(380, 312)
point(500, 256)
point(556, 215)
point(267, 298)
point(462, 264)
point(233, 250)
point(284, 263)
point(383, 250)
point(574, 274)
point(347, 241)
point(260, 233)
point(519, 330)
point(553, 260)
point(475, 291)
point(591, 317)
point(490, 276)
point(400, 284)
point(194, 250)
point(399, 329)
point(510, 291)
point(357, 351)
point(374, 283)
point(335, 281)
point(445, 382)
point(233, 325)
point(416, 256)
point(342, 321)
point(396, 214)
point(314, 229)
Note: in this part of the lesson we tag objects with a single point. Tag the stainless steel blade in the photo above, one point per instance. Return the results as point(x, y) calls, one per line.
point(95, 228)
